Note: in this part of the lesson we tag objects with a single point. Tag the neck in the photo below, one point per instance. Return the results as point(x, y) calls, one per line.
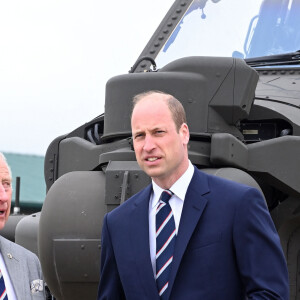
point(167, 181)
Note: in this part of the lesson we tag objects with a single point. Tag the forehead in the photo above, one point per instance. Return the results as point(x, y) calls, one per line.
point(151, 109)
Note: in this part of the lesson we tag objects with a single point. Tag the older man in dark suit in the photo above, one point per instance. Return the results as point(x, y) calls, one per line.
point(188, 235)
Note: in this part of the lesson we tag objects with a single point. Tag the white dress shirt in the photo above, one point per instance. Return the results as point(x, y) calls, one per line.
point(179, 189)
point(8, 284)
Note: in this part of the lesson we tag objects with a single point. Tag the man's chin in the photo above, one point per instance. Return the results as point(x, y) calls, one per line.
point(152, 172)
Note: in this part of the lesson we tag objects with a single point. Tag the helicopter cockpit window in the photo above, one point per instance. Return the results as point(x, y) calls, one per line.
point(234, 28)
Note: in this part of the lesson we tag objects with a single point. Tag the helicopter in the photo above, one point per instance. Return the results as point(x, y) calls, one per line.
point(238, 81)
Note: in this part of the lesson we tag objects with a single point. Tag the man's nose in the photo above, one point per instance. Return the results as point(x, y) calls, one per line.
point(149, 144)
point(3, 193)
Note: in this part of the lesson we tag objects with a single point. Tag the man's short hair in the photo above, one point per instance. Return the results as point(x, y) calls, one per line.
point(175, 106)
point(8, 167)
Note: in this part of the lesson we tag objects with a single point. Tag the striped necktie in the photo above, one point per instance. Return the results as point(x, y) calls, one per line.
point(3, 295)
point(165, 242)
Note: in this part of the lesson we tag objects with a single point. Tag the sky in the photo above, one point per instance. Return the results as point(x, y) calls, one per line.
point(55, 59)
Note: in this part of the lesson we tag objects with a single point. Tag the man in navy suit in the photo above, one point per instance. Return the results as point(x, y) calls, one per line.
point(226, 244)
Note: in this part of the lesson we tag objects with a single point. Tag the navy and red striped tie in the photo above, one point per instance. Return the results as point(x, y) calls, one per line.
point(165, 242)
point(3, 295)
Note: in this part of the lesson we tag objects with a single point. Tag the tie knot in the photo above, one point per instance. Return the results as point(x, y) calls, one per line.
point(166, 195)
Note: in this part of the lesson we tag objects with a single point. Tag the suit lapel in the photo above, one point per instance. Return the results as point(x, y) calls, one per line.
point(13, 264)
point(193, 208)
point(139, 237)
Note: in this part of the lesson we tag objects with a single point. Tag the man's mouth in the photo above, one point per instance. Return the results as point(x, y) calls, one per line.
point(2, 212)
point(152, 159)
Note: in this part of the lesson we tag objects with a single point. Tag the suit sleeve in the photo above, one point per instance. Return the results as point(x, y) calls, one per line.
point(259, 254)
point(110, 286)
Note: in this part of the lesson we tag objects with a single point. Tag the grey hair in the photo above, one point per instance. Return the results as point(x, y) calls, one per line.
point(8, 167)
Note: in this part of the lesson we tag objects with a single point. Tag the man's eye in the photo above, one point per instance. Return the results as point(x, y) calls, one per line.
point(6, 184)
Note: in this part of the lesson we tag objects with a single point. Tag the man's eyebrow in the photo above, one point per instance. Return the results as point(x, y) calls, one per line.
point(6, 179)
point(137, 132)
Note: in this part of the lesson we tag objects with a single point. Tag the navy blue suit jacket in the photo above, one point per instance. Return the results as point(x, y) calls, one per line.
point(227, 247)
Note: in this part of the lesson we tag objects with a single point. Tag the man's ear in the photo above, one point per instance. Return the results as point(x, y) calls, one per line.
point(184, 133)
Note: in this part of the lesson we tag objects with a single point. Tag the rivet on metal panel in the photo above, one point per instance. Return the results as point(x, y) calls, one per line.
point(178, 11)
point(152, 51)
point(143, 65)
point(117, 175)
point(166, 31)
point(82, 246)
point(156, 44)
point(161, 38)
point(183, 3)
point(169, 24)
point(85, 275)
point(174, 18)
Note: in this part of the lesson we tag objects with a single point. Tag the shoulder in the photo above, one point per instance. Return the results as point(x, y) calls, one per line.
point(224, 179)
point(18, 251)
point(223, 190)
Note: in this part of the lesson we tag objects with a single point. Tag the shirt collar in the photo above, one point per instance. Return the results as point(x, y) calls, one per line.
point(179, 188)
